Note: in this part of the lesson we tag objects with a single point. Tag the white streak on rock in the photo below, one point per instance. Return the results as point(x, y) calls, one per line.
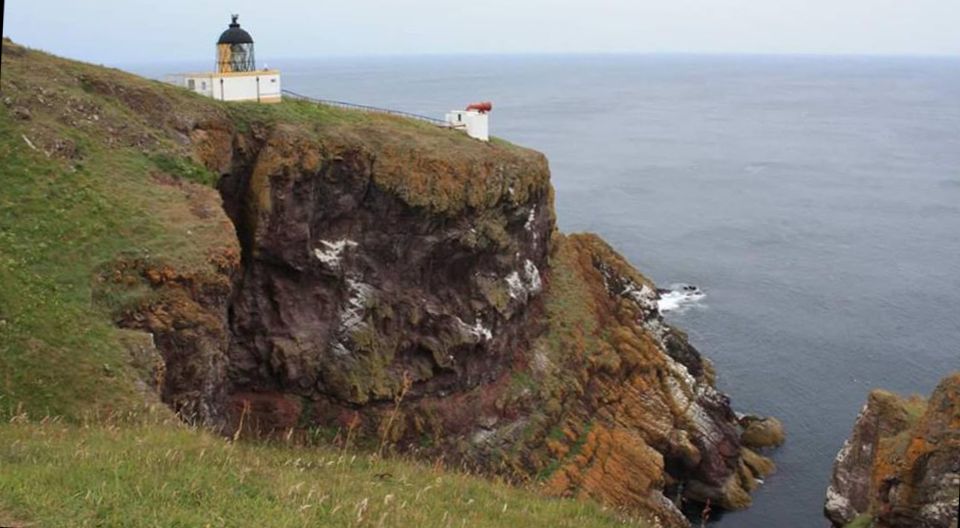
point(844, 452)
point(521, 287)
point(541, 363)
point(477, 331)
point(515, 285)
point(351, 316)
point(339, 349)
point(645, 296)
point(839, 504)
point(533, 276)
point(481, 436)
point(332, 253)
point(531, 218)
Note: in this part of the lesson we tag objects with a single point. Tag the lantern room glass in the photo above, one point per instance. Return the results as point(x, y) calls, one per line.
point(236, 58)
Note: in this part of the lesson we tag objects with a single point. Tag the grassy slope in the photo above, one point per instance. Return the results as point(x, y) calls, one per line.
point(56, 349)
point(165, 475)
point(63, 217)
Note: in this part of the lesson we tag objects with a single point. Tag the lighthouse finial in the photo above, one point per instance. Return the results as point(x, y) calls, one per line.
point(233, 19)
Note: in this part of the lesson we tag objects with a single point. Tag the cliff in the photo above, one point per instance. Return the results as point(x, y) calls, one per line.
point(359, 277)
point(901, 465)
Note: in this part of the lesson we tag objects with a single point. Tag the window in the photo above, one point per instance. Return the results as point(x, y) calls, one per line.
point(191, 84)
point(203, 85)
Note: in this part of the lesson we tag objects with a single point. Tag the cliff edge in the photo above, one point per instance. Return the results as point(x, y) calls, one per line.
point(363, 277)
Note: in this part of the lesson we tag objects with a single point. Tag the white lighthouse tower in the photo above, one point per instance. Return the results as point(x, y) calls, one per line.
point(236, 78)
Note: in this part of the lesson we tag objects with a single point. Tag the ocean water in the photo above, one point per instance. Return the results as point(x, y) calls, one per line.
point(814, 201)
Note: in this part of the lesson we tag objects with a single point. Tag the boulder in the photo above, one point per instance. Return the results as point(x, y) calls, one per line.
point(760, 432)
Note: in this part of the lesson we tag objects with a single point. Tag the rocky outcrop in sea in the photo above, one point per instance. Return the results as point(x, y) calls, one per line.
point(900, 468)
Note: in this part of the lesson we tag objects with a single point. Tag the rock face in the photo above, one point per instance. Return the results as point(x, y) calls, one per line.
point(404, 287)
point(352, 289)
point(187, 324)
point(901, 465)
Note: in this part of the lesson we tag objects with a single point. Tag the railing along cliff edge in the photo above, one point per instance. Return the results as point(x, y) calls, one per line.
point(365, 108)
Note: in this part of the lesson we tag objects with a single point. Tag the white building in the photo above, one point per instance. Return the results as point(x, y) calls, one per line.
point(475, 120)
point(262, 86)
point(236, 78)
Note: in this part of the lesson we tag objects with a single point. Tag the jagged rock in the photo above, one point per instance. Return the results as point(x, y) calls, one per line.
point(901, 466)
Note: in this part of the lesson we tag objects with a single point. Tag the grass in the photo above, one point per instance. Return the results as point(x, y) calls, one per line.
point(185, 169)
point(370, 127)
point(59, 224)
point(570, 308)
point(167, 475)
point(86, 182)
point(54, 227)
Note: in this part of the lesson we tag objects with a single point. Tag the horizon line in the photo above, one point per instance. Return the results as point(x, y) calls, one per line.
point(543, 53)
point(360, 55)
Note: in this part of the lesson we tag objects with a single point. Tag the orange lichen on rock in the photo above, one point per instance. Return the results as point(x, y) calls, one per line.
point(613, 465)
point(901, 465)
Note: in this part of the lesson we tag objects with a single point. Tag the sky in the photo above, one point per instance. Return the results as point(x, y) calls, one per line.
point(122, 31)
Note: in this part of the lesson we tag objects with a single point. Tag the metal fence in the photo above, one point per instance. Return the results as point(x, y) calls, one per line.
point(365, 108)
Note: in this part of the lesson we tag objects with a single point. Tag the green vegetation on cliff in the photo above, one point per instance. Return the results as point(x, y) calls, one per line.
point(74, 198)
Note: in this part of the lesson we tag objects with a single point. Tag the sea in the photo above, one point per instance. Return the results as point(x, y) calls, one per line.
point(804, 211)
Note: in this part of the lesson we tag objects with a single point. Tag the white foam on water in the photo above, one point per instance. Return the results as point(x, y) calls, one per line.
point(680, 298)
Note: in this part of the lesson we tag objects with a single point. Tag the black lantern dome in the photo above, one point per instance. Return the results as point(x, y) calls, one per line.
point(235, 49)
point(234, 34)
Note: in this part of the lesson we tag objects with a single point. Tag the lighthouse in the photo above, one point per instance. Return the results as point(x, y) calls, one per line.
point(236, 77)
